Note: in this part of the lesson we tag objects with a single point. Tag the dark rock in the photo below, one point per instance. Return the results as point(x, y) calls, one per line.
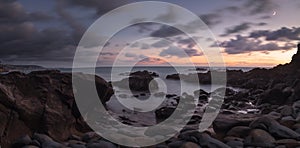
point(74, 137)
point(259, 138)
point(101, 144)
point(76, 142)
point(287, 121)
point(288, 143)
point(275, 95)
point(230, 138)
point(190, 145)
point(144, 73)
point(35, 143)
point(286, 110)
point(164, 113)
point(47, 105)
point(239, 131)
point(138, 81)
point(30, 146)
point(274, 128)
point(203, 139)
point(90, 137)
point(156, 130)
point(296, 57)
point(274, 115)
point(223, 123)
point(77, 146)
point(52, 144)
point(41, 138)
point(235, 144)
point(176, 144)
point(296, 108)
point(173, 77)
point(22, 141)
point(170, 95)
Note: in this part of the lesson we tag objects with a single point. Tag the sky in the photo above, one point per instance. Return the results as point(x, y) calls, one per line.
point(248, 33)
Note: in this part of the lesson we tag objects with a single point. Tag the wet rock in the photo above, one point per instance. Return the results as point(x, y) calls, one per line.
point(159, 94)
point(288, 143)
point(101, 144)
point(77, 146)
point(274, 128)
point(139, 81)
point(22, 141)
point(239, 131)
point(52, 144)
point(286, 110)
point(158, 130)
point(223, 123)
point(235, 144)
point(30, 146)
point(170, 95)
point(203, 139)
point(176, 144)
point(164, 113)
point(274, 115)
point(90, 137)
point(296, 108)
point(287, 121)
point(173, 77)
point(41, 138)
point(259, 138)
point(190, 145)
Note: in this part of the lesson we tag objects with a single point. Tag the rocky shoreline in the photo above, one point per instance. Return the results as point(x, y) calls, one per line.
point(266, 113)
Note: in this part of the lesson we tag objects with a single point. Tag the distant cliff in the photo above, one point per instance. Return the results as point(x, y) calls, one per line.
point(8, 67)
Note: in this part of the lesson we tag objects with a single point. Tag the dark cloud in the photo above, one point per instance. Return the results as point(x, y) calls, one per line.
point(243, 44)
point(211, 19)
point(265, 17)
point(130, 55)
point(145, 46)
point(101, 6)
point(12, 12)
point(78, 29)
point(262, 24)
point(21, 40)
point(283, 33)
point(160, 44)
point(107, 54)
point(237, 29)
point(232, 9)
point(178, 52)
point(260, 6)
point(40, 16)
point(190, 43)
point(166, 31)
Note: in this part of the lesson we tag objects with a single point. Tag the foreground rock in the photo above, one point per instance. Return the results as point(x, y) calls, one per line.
point(41, 102)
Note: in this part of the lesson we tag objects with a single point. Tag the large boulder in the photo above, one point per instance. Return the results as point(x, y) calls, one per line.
point(260, 138)
point(42, 102)
point(274, 128)
point(224, 123)
point(139, 81)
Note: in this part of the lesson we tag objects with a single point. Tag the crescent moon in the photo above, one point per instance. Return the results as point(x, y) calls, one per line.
point(274, 12)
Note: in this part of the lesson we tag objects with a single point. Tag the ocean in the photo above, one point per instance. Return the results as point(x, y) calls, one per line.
point(173, 86)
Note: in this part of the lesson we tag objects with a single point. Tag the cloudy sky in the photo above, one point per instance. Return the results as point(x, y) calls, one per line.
point(248, 32)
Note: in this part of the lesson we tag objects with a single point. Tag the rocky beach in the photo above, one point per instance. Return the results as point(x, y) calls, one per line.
point(38, 110)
